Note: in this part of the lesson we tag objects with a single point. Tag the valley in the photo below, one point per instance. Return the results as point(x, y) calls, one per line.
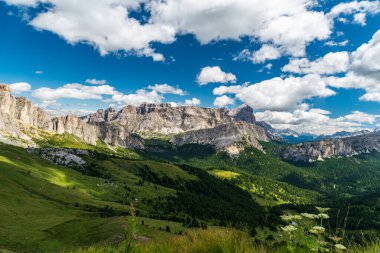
point(73, 183)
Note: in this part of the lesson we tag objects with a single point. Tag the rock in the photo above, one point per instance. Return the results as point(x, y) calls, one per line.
point(164, 118)
point(19, 116)
point(231, 137)
point(62, 156)
point(223, 129)
point(243, 113)
point(344, 147)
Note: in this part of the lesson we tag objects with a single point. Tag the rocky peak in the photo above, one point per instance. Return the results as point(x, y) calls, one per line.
point(340, 147)
point(243, 113)
point(5, 88)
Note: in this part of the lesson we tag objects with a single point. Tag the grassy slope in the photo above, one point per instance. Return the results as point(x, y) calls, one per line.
point(47, 207)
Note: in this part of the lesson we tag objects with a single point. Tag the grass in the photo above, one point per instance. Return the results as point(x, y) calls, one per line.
point(224, 174)
point(215, 240)
point(45, 207)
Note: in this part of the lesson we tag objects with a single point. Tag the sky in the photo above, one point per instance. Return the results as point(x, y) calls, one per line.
point(309, 65)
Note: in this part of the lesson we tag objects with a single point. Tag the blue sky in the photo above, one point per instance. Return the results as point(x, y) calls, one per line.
point(306, 65)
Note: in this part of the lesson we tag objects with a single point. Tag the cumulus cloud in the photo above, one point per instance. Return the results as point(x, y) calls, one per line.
point(360, 117)
point(193, 101)
point(18, 88)
point(316, 121)
point(214, 75)
point(109, 25)
point(223, 101)
point(278, 93)
point(266, 52)
point(336, 44)
point(151, 94)
point(141, 96)
point(96, 81)
point(166, 89)
point(74, 91)
point(364, 71)
point(331, 63)
point(359, 10)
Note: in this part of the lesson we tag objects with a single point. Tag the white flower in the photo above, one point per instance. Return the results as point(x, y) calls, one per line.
point(317, 230)
point(323, 216)
point(340, 247)
point(290, 217)
point(309, 215)
point(289, 228)
point(323, 209)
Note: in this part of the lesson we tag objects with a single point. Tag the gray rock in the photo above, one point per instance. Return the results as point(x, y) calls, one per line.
point(344, 147)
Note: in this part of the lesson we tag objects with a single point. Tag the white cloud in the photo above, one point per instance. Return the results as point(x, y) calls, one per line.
point(331, 63)
point(335, 43)
point(141, 96)
point(18, 88)
point(74, 91)
point(167, 89)
point(359, 10)
point(104, 24)
point(234, 89)
point(360, 117)
point(279, 94)
point(214, 75)
point(360, 18)
point(223, 101)
point(109, 26)
point(364, 71)
point(316, 121)
point(266, 52)
point(96, 81)
point(193, 102)
point(38, 72)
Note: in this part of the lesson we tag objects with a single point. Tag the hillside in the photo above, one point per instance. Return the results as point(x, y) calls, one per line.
point(78, 182)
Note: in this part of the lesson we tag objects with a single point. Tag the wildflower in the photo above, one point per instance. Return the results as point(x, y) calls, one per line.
point(323, 216)
point(317, 230)
point(336, 239)
point(309, 215)
point(290, 217)
point(322, 209)
point(289, 228)
point(340, 247)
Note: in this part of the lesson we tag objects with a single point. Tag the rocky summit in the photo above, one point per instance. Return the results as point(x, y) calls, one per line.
point(223, 129)
point(342, 147)
point(21, 120)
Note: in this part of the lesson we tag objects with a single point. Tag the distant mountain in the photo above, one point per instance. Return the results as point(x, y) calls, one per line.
point(333, 147)
point(225, 130)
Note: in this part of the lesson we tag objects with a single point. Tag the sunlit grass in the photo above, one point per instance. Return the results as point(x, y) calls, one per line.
point(225, 174)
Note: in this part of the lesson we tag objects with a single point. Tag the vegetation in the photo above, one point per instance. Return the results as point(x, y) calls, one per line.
point(190, 199)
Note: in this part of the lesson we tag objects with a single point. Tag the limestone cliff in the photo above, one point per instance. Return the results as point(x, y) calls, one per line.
point(344, 147)
point(18, 116)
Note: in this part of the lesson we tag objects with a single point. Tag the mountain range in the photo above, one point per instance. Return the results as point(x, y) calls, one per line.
point(226, 130)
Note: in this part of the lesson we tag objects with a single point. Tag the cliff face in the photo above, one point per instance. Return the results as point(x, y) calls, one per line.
point(162, 118)
point(225, 130)
point(19, 115)
point(231, 137)
point(345, 147)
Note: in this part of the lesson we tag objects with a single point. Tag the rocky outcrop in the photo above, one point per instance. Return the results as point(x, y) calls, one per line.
point(163, 118)
point(223, 129)
point(344, 147)
point(19, 116)
point(62, 156)
point(231, 137)
point(243, 113)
